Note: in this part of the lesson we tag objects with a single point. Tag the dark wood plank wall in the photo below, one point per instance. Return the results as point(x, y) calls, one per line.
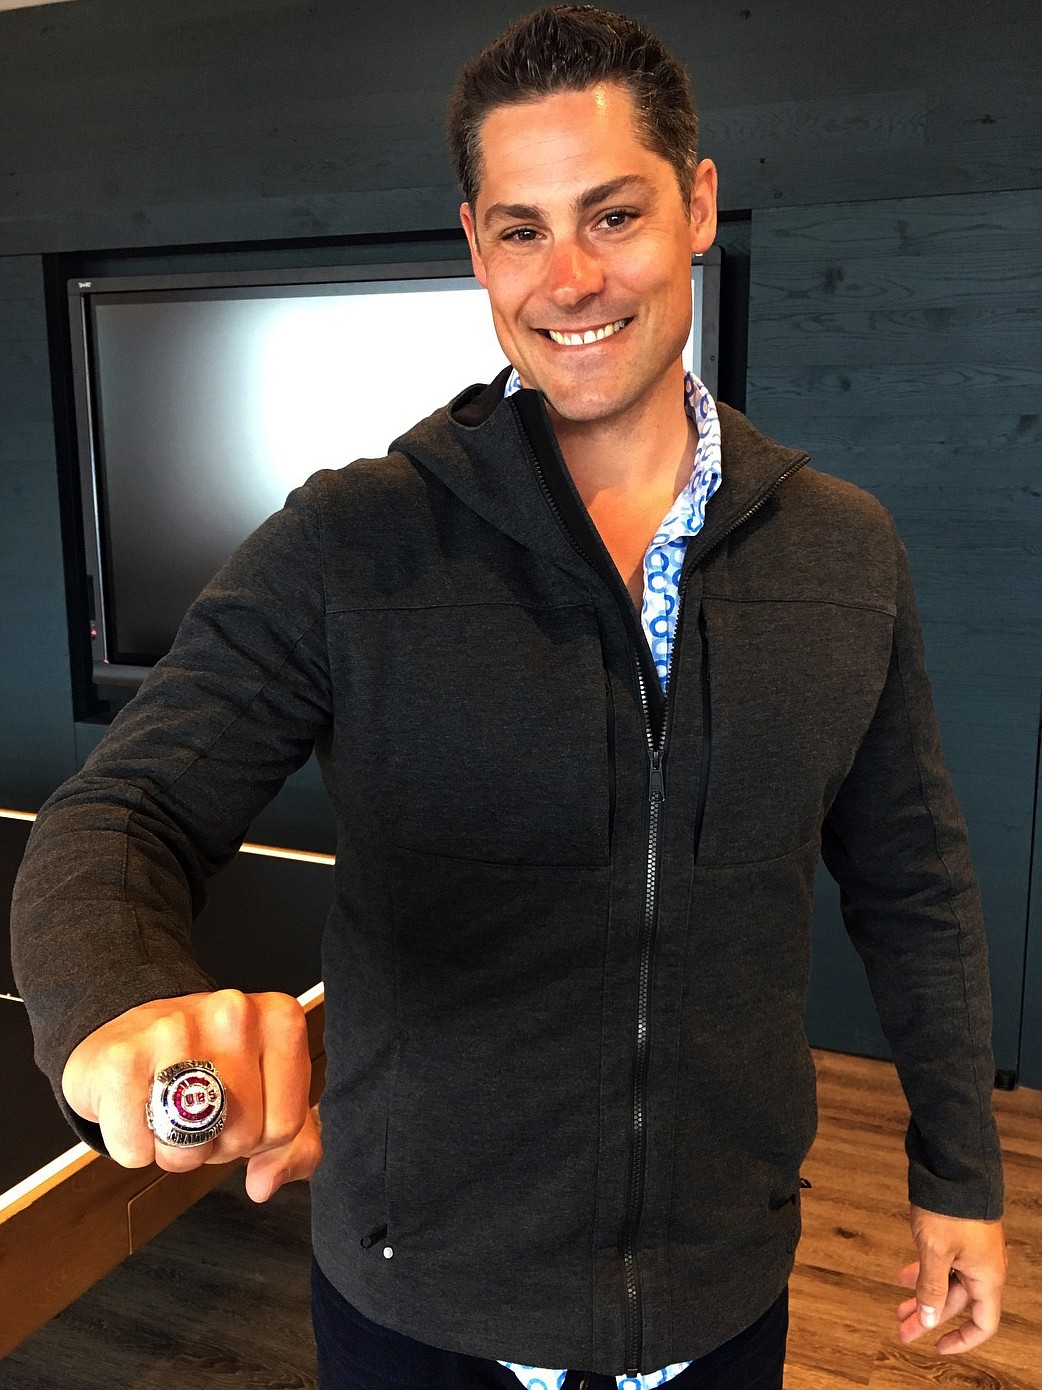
point(1031, 1022)
point(36, 731)
point(891, 157)
point(900, 341)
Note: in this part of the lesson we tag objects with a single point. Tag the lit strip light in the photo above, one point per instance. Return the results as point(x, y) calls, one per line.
point(42, 1175)
point(306, 856)
point(28, 4)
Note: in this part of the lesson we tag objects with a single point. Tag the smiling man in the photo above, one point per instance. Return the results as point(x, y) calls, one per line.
point(595, 672)
point(584, 240)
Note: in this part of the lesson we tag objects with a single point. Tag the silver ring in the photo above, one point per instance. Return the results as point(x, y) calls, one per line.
point(187, 1103)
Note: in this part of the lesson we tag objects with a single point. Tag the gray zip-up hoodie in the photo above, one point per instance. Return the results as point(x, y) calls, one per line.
point(566, 970)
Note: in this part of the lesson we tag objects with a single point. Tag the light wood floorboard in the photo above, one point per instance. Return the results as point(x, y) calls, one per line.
point(220, 1298)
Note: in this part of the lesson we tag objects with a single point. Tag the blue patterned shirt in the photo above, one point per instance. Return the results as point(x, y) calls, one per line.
point(658, 616)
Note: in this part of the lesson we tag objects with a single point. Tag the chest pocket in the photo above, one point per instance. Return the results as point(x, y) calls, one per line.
point(479, 731)
point(793, 690)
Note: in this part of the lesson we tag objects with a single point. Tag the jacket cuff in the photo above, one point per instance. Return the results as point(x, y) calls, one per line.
point(977, 1199)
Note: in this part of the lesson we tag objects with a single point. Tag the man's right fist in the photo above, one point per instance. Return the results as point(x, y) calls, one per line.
point(259, 1045)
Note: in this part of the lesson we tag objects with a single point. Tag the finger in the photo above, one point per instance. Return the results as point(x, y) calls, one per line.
point(214, 1027)
point(907, 1278)
point(266, 1172)
point(285, 1070)
point(233, 1029)
point(971, 1334)
point(131, 1144)
point(986, 1312)
point(182, 1158)
point(910, 1326)
point(124, 1075)
point(931, 1288)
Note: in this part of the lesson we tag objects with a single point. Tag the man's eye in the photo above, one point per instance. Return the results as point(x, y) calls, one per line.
point(618, 217)
point(520, 234)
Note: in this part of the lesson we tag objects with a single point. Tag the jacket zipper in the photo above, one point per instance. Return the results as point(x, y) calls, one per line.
point(634, 1329)
point(638, 1138)
point(634, 1323)
point(657, 795)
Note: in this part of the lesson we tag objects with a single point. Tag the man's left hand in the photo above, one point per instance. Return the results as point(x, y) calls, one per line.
point(961, 1266)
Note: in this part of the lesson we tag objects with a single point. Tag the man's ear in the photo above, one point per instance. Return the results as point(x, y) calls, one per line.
point(466, 216)
point(703, 206)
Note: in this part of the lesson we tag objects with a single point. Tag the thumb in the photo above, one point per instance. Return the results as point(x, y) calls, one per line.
point(931, 1289)
point(293, 1162)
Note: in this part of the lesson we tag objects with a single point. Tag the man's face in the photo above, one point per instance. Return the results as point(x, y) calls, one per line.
point(578, 228)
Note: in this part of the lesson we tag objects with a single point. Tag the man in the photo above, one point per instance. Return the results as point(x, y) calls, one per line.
point(592, 683)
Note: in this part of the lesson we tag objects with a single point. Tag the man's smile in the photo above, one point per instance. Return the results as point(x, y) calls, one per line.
point(581, 337)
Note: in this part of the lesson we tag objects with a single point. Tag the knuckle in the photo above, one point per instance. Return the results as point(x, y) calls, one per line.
point(285, 1012)
point(231, 1012)
point(289, 1123)
point(242, 1137)
point(279, 1132)
point(120, 1058)
point(129, 1144)
point(170, 1038)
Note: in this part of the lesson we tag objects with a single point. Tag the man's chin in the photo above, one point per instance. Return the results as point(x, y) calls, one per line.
point(583, 408)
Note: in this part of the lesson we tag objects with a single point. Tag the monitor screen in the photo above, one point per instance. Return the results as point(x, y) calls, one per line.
point(201, 405)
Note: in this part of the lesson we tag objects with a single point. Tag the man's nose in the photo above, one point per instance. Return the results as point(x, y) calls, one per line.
point(574, 272)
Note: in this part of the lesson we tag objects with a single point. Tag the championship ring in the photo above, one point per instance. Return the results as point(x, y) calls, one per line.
point(186, 1106)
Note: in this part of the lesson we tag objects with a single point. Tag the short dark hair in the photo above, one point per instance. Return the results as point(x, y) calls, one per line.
point(569, 48)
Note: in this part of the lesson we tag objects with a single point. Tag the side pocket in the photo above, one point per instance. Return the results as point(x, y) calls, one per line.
point(789, 1203)
point(776, 1203)
point(391, 1099)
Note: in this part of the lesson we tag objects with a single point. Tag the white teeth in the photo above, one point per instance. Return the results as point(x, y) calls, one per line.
point(591, 335)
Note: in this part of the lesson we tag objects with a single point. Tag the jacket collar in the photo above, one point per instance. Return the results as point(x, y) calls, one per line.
point(477, 447)
point(500, 458)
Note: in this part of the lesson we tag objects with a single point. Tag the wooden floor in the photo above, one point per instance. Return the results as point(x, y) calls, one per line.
point(844, 1290)
point(220, 1299)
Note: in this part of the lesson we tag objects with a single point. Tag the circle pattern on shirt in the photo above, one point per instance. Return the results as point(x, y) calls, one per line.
point(665, 555)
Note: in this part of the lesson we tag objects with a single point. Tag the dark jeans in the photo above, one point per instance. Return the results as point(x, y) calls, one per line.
point(356, 1354)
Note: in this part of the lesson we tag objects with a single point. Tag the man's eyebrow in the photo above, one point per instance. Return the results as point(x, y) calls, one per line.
point(603, 191)
point(583, 202)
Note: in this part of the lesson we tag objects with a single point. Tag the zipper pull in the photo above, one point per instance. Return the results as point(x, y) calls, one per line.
point(658, 781)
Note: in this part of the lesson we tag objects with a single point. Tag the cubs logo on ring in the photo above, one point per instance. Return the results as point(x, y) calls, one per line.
point(187, 1103)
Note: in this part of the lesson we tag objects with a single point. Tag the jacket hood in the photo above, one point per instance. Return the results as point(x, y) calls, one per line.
point(500, 457)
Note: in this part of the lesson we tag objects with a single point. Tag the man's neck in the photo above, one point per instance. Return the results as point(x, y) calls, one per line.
point(629, 471)
point(645, 453)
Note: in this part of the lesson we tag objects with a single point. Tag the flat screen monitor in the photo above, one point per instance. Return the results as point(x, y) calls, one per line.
point(202, 400)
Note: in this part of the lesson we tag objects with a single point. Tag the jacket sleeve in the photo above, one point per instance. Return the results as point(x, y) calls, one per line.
point(895, 842)
point(115, 868)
